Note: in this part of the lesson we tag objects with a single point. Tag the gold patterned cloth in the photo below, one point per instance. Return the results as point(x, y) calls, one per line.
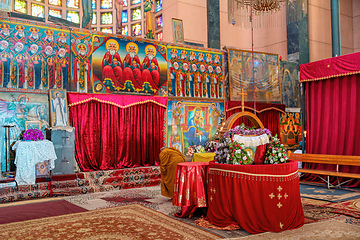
point(169, 158)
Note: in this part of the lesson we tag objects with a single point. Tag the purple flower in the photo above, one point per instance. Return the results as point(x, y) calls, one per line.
point(33, 135)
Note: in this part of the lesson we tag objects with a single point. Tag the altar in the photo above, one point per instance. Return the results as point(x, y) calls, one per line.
point(258, 198)
point(28, 154)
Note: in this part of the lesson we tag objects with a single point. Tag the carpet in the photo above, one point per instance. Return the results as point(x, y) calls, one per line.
point(324, 230)
point(124, 222)
point(149, 197)
point(349, 208)
point(330, 195)
point(39, 209)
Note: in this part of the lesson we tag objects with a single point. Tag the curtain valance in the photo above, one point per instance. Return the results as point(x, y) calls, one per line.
point(121, 101)
point(329, 68)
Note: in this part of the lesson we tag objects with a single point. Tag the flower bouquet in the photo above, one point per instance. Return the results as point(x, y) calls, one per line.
point(239, 156)
point(33, 135)
point(276, 152)
point(195, 149)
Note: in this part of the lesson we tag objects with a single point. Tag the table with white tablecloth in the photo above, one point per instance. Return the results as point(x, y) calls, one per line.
point(28, 154)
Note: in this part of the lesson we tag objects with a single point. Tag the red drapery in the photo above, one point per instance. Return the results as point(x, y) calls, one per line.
point(117, 131)
point(258, 198)
point(333, 109)
point(268, 113)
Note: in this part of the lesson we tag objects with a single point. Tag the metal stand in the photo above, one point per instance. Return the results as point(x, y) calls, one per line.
point(7, 139)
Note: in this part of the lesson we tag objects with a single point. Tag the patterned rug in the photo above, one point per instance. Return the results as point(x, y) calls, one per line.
point(124, 222)
point(149, 197)
point(350, 208)
point(324, 230)
point(41, 208)
point(331, 195)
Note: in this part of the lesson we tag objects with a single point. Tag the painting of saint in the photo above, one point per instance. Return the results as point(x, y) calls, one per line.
point(112, 65)
point(59, 112)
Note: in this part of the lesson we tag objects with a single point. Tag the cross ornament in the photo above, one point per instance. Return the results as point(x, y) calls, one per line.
point(243, 94)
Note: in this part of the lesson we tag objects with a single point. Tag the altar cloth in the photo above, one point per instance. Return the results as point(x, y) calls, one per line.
point(28, 154)
point(259, 198)
point(203, 157)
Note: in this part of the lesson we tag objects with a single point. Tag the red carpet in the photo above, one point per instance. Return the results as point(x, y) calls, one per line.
point(37, 210)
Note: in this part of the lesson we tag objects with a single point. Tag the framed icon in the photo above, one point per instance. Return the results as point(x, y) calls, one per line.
point(59, 114)
point(32, 125)
point(178, 32)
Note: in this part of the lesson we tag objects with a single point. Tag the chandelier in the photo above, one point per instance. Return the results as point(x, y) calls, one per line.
point(261, 5)
point(259, 11)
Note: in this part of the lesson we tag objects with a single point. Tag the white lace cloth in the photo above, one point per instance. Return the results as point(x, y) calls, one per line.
point(28, 154)
point(252, 141)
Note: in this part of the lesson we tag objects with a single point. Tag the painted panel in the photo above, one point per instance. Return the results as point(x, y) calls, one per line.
point(195, 73)
point(16, 109)
point(33, 57)
point(121, 65)
point(257, 73)
point(192, 123)
point(290, 128)
point(81, 50)
point(289, 75)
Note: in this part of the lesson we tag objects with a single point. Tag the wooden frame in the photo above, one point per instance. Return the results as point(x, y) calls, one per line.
point(32, 125)
point(59, 114)
point(178, 32)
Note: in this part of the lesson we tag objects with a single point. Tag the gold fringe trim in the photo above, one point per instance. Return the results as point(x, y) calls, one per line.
point(260, 111)
point(252, 174)
point(117, 105)
point(332, 76)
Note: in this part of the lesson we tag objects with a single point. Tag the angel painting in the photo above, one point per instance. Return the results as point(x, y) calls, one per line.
point(17, 111)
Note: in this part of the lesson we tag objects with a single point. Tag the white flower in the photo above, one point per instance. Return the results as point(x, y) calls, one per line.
point(279, 154)
point(271, 161)
point(248, 153)
point(244, 158)
point(273, 151)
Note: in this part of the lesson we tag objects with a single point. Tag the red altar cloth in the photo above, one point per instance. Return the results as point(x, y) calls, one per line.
point(259, 198)
point(190, 187)
point(332, 67)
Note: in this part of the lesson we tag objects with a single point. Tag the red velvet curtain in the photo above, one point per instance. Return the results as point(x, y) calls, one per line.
point(113, 137)
point(333, 122)
point(268, 113)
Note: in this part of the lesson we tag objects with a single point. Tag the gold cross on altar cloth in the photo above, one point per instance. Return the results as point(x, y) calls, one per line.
point(243, 94)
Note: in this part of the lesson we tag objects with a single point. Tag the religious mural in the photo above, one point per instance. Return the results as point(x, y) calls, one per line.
point(195, 73)
point(289, 75)
point(121, 65)
point(290, 128)
point(257, 73)
point(81, 51)
point(16, 109)
point(33, 57)
point(193, 123)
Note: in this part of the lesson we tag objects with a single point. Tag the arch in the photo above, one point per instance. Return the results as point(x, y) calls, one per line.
point(232, 119)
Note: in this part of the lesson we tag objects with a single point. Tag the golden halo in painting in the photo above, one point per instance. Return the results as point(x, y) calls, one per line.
point(132, 44)
point(150, 46)
point(250, 152)
point(108, 42)
point(56, 92)
point(23, 96)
